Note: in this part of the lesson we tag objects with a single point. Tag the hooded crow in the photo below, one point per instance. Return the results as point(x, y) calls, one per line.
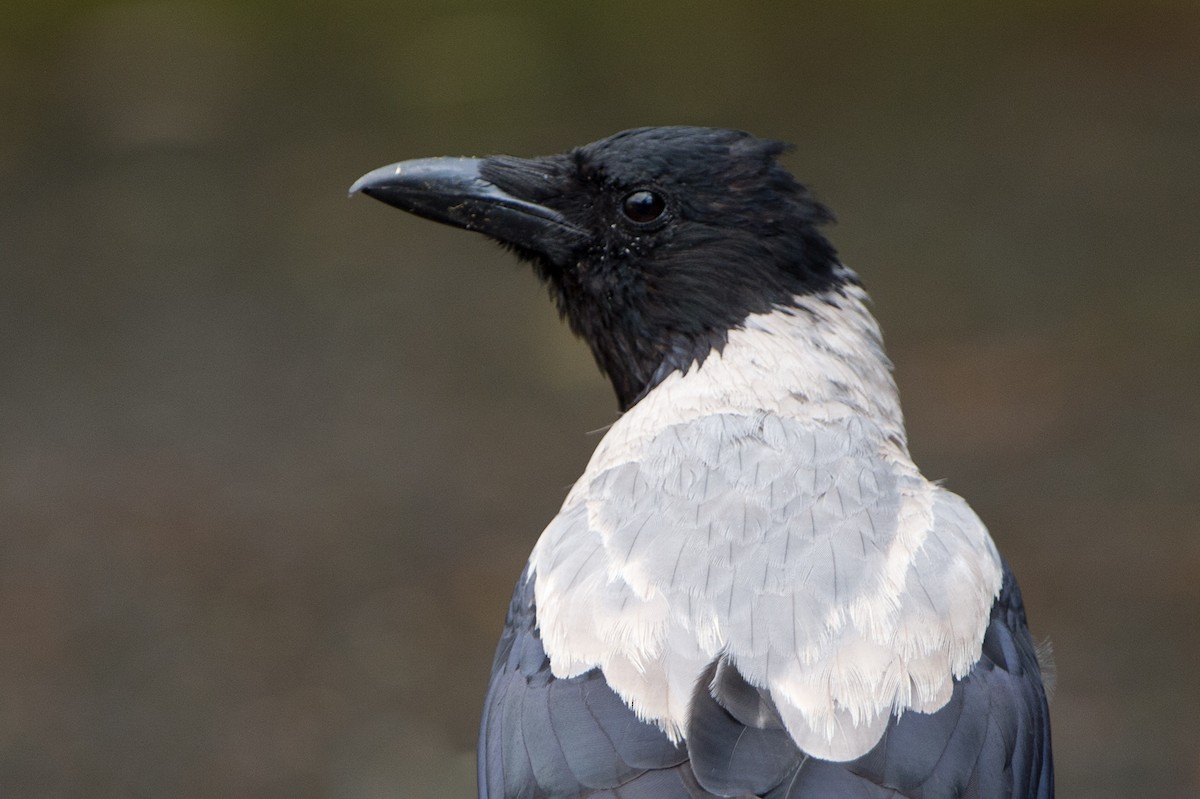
point(751, 591)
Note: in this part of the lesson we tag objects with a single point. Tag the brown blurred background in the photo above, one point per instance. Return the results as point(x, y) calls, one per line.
point(271, 459)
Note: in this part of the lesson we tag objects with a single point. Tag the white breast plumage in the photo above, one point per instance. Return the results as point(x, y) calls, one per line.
point(764, 507)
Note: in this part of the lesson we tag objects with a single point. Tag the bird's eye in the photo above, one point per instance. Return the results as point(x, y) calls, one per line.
point(643, 206)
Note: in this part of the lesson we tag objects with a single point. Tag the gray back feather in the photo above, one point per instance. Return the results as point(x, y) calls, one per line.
point(812, 554)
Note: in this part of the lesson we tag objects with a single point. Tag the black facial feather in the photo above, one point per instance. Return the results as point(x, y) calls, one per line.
point(738, 236)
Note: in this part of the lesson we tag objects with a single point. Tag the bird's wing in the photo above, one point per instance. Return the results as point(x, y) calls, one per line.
point(810, 555)
point(542, 736)
point(991, 740)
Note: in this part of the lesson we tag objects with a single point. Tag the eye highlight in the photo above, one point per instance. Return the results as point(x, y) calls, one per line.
point(643, 206)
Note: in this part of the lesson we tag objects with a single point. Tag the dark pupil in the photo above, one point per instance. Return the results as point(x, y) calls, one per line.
point(644, 206)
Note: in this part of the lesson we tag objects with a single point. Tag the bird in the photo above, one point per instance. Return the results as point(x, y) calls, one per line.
point(751, 590)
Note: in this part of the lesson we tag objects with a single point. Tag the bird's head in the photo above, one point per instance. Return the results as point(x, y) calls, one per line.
point(654, 242)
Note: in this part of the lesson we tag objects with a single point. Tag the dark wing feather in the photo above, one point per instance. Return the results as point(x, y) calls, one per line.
point(990, 741)
point(736, 741)
point(546, 737)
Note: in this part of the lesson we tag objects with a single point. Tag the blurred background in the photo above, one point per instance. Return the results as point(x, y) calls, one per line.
point(271, 459)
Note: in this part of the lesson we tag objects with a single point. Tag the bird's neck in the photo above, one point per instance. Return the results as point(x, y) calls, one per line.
point(819, 360)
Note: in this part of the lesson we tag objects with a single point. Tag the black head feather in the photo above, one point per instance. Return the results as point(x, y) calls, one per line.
point(655, 242)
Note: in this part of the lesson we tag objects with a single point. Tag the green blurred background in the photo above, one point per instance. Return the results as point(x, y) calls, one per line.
point(271, 459)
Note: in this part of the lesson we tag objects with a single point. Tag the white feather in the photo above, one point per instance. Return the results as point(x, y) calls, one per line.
point(764, 506)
